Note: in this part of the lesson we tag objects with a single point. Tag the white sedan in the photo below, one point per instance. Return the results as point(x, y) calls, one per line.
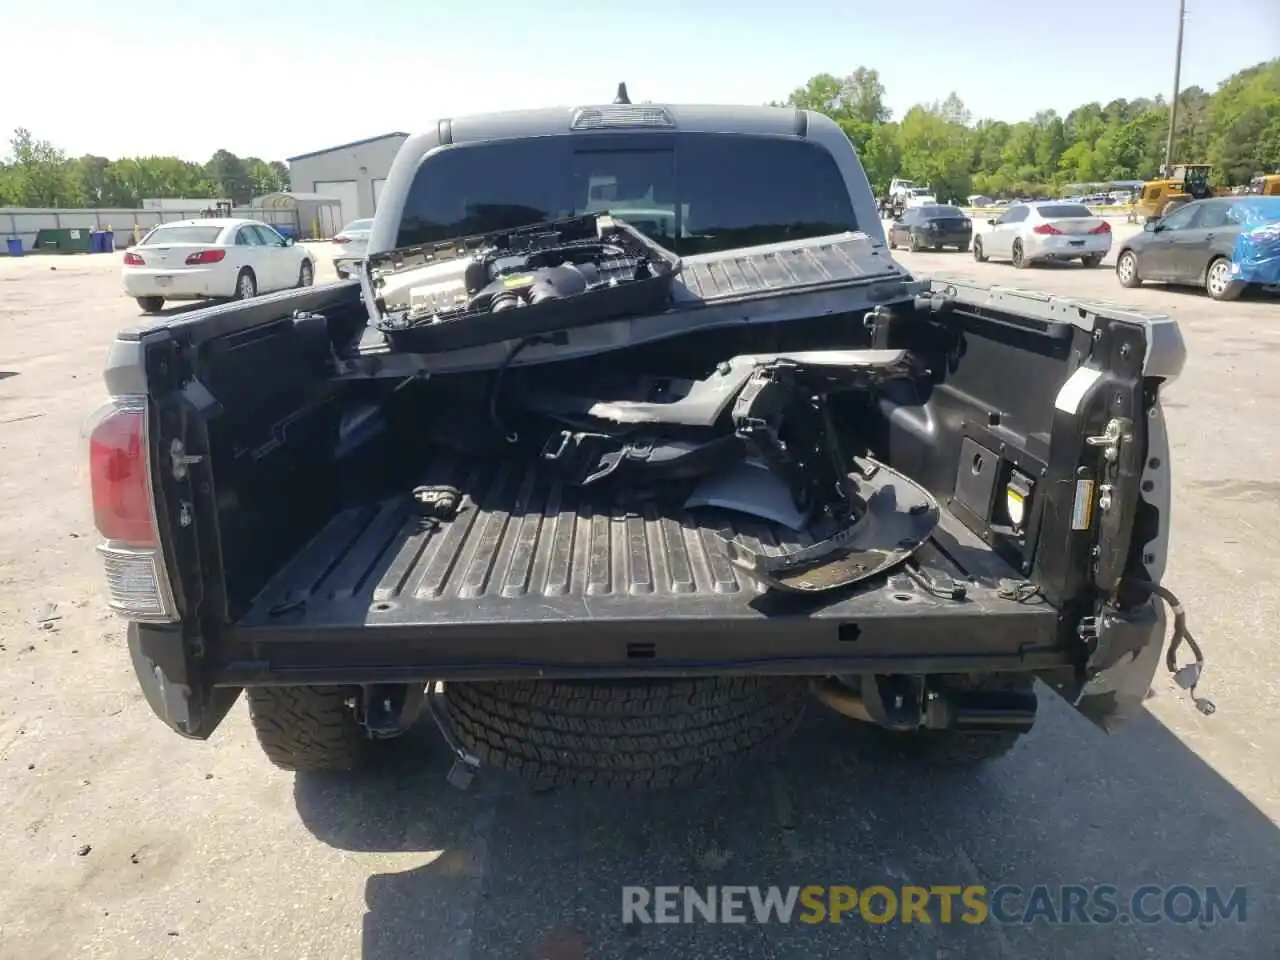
point(1029, 233)
point(352, 242)
point(213, 259)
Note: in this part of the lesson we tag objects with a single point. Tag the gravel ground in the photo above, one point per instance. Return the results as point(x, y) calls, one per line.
point(126, 841)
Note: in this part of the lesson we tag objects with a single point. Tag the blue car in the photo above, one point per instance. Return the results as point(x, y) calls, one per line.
point(1225, 244)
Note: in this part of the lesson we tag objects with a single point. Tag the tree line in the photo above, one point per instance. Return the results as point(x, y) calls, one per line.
point(39, 174)
point(1236, 128)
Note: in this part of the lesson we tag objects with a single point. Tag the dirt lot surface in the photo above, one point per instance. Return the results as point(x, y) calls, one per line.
point(123, 840)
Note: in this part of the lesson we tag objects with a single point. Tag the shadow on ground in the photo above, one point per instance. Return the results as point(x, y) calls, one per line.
point(538, 876)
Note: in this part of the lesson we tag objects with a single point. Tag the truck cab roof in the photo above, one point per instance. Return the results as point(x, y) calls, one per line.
point(595, 118)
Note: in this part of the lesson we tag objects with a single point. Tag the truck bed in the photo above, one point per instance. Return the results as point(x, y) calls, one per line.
point(532, 573)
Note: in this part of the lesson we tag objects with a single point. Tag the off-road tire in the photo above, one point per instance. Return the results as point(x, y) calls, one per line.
point(627, 734)
point(956, 748)
point(309, 728)
point(151, 304)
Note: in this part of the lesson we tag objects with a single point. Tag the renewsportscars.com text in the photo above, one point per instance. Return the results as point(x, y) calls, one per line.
point(1006, 904)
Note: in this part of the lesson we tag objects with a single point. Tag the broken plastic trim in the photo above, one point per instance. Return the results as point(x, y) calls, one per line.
point(900, 515)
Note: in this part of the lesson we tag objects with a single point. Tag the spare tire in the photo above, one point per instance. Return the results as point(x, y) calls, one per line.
point(625, 734)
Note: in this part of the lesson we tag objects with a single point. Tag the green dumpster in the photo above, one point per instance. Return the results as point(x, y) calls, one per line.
point(64, 240)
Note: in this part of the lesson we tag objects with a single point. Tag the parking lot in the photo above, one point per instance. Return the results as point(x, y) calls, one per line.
point(123, 840)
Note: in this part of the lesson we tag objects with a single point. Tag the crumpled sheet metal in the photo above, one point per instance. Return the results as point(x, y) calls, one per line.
point(900, 517)
point(1256, 256)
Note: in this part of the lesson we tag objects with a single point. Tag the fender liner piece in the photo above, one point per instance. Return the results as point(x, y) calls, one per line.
point(900, 515)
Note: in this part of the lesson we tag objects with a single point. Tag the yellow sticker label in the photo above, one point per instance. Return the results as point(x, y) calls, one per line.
point(523, 281)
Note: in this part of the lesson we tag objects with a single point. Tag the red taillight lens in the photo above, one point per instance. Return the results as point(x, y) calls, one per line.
point(341, 239)
point(1104, 227)
point(118, 478)
point(133, 260)
point(1046, 228)
point(205, 256)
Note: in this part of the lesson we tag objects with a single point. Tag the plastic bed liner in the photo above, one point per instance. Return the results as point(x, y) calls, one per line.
point(535, 572)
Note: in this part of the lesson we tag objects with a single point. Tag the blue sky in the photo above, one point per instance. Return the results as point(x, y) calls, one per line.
point(274, 79)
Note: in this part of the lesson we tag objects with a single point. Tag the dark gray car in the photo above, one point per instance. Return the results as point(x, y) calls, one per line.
point(932, 227)
point(1192, 246)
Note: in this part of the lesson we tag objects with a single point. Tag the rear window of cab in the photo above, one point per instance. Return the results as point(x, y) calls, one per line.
point(690, 192)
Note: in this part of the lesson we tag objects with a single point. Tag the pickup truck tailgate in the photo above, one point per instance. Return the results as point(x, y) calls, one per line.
point(533, 573)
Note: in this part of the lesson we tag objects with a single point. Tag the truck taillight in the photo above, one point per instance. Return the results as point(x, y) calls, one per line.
point(120, 482)
point(206, 256)
point(132, 259)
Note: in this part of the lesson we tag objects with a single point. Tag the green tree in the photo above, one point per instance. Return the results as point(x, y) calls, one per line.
point(39, 175)
point(934, 151)
point(230, 176)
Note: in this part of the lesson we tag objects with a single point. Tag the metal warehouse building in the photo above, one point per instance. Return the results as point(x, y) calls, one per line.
point(352, 173)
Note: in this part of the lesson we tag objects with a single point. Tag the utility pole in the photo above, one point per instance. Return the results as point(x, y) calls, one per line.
point(1177, 85)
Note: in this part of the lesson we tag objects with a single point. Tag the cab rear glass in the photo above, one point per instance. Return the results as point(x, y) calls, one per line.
point(691, 193)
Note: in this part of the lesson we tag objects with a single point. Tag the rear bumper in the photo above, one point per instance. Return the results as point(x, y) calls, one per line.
point(346, 267)
point(1067, 246)
point(946, 238)
point(187, 283)
point(193, 699)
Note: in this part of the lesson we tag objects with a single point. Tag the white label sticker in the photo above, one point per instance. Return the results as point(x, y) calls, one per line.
point(1082, 509)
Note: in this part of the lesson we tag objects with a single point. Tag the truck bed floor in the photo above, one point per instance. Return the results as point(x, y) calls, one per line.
point(531, 565)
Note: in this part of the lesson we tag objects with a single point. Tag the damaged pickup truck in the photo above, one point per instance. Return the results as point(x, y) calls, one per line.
point(630, 442)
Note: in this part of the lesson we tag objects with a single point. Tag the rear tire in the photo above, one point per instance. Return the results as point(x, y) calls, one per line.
point(635, 735)
point(309, 728)
point(963, 248)
point(306, 274)
point(1127, 269)
point(915, 244)
point(151, 304)
point(1092, 260)
point(246, 285)
point(1019, 259)
point(1218, 283)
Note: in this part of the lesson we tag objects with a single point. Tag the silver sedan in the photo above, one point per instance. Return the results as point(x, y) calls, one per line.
point(1028, 233)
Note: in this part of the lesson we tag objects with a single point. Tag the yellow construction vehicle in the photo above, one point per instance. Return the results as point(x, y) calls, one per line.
point(1187, 182)
point(1265, 185)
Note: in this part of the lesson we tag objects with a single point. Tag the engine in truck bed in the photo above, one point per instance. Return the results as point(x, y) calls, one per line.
point(518, 283)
